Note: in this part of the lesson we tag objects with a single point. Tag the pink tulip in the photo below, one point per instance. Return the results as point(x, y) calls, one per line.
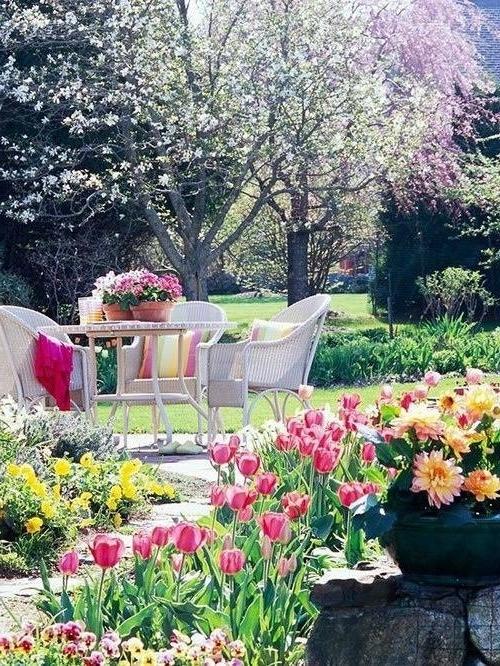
point(248, 463)
point(234, 443)
point(239, 497)
point(333, 433)
point(287, 566)
point(245, 515)
point(221, 453)
point(474, 376)
point(306, 445)
point(314, 417)
point(68, 563)
point(209, 535)
point(295, 426)
point(432, 378)
point(187, 537)
point(160, 535)
point(392, 471)
point(325, 460)
point(349, 401)
point(406, 400)
point(274, 525)
point(368, 452)
point(217, 496)
point(266, 548)
point(231, 561)
point(176, 562)
point(420, 391)
point(286, 442)
point(305, 392)
point(142, 545)
point(386, 393)
point(370, 488)
point(266, 483)
point(107, 551)
point(295, 504)
point(348, 493)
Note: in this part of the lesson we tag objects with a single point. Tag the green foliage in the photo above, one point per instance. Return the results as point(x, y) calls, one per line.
point(455, 292)
point(14, 290)
point(447, 345)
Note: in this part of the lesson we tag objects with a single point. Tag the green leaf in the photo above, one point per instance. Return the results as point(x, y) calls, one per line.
point(375, 521)
point(251, 621)
point(127, 627)
point(322, 526)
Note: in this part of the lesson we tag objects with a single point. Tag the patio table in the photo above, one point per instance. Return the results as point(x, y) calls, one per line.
point(128, 329)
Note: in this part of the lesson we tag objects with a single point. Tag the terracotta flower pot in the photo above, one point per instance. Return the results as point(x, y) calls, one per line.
point(153, 311)
point(113, 312)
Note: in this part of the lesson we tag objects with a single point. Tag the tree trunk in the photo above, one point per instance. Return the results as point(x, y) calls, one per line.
point(194, 284)
point(297, 279)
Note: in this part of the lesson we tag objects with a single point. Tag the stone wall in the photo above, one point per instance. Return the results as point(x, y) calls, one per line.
point(376, 618)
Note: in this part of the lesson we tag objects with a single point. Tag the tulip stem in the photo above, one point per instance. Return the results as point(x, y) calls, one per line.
point(99, 605)
point(179, 576)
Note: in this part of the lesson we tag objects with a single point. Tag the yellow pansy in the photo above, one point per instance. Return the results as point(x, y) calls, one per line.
point(148, 658)
point(155, 487)
point(86, 522)
point(62, 467)
point(115, 492)
point(33, 525)
point(48, 510)
point(37, 487)
point(130, 467)
point(13, 470)
point(129, 491)
point(169, 491)
point(112, 504)
point(85, 497)
point(133, 645)
point(56, 490)
point(27, 472)
point(117, 520)
point(87, 462)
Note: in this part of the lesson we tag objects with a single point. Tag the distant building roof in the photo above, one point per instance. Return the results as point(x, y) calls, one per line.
point(489, 42)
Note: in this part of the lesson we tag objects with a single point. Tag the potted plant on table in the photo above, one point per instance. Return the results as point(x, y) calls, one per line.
point(139, 295)
point(440, 517)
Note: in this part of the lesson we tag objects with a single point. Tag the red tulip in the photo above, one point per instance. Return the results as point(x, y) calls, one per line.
point(295, 504)
point(368, 452)
point(274, 525)
point(68, 563)
point(349, 493)
point(221, 453)
point(248, 463)
point(370, 488)
point(350, 401)
point(142, 545)
point(406, 400)
point(217, 496)
point(231, 561)
point(239, 497)
point(160, 535)
point(107, 551)
point(314, 417)
point(188, 537)
point(266, 483)
point(325, 460)
point(286, 442)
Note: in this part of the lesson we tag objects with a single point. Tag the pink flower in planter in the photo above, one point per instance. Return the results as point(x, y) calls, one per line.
point(266, 483)
point(248, 463)
point(406, 400)
point(231, 561)
point(306, 445)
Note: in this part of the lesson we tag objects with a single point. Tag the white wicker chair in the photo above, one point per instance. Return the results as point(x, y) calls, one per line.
point(193, 311)
point(18, 334)
point(267, 369)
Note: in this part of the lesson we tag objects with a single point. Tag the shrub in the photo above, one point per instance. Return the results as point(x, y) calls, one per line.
point(14, 290)
point(341, 283)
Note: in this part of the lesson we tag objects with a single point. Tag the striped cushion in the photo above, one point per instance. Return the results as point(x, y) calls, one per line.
point(168, 351)
point(270, 330)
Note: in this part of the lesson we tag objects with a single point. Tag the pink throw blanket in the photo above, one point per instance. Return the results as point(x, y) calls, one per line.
point(53, 366)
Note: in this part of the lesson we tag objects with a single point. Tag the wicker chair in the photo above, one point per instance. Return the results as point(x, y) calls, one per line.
point(270, 369)
point(132, 358)
point(18, 334)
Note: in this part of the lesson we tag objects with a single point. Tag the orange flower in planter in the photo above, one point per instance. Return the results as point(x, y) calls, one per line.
point(440, 479)
point(481, 399)
point(482, 484)
point(457, 440)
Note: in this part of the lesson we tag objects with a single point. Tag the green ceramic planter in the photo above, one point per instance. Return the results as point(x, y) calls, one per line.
point(434, 550)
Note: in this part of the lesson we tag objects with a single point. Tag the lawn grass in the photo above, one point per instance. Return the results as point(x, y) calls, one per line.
point(184, 419)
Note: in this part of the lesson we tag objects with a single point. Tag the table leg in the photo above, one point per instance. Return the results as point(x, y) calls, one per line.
point(156, 390)
point(93, 370)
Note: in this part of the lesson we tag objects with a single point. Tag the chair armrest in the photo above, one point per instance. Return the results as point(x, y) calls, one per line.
point(225, 361)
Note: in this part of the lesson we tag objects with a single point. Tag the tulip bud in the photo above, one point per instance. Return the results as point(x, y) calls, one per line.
point(68, 563)
point(227, 544)
point(266, 548)
point(305, 392)
point(432, 378)
point(176, 562)
point(474, 376)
